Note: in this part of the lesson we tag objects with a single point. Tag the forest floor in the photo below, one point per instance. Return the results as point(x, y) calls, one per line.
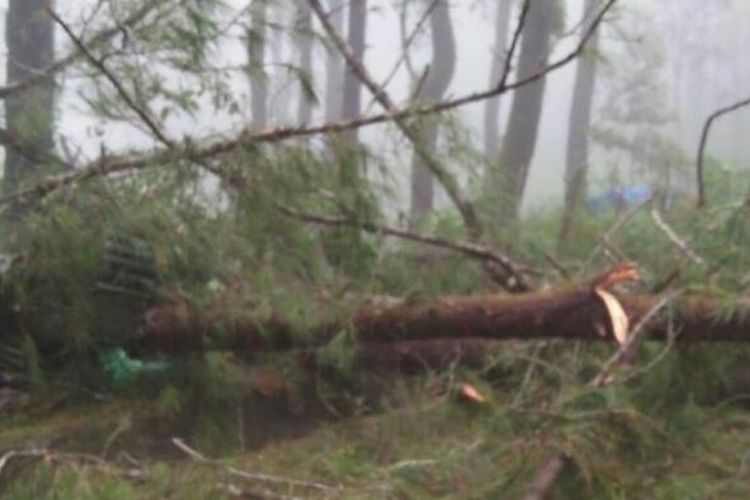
point(421, 443)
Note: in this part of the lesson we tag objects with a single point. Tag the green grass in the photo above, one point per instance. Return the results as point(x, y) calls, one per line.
point(418, 444)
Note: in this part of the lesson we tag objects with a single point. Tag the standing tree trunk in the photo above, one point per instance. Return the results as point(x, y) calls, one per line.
point(576, 166)
point(304, 47)
point(256, 48)
point(29, 115)
point(352, 85)
point(492, 107)
point(334, 66)
point(518, 146)
point(438, 79)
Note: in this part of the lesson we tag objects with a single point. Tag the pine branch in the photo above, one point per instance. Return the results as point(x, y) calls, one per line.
point(99, 64)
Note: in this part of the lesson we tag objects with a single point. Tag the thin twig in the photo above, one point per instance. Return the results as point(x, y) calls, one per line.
point(676, 240)
point(405, 45)
point(633, 338)
point(671, 337)
point(254, 476)
point(606, 239)
point(557, 265)
point(122, 92)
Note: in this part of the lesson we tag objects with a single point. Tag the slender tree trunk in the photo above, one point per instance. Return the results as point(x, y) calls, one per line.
point(523, 126)
point(352, 85)
point(579, 126)
point(492, 107)
point(439, 78)
point(304, 47)
point(29, 115)
point(335, 65)
point(256, 49)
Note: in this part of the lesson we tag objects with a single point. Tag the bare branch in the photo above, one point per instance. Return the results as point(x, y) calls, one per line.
point(143, 159)
point(704, 142)
point(571, 56)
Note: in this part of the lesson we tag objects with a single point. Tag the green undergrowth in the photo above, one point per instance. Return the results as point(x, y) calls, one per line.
point(674, 425)
point(631, 440)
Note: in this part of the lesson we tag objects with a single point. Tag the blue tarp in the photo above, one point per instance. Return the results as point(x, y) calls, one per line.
point(619, 198)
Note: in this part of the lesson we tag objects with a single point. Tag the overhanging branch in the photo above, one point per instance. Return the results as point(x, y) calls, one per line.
point(204, 149)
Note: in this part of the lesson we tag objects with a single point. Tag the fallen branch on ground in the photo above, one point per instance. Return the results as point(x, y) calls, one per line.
point(73, 459)
point(253, 476)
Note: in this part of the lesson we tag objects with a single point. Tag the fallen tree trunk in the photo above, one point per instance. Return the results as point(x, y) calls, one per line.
point(575, 314)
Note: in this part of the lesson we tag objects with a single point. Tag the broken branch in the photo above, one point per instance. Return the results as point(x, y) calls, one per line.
point(512, 277)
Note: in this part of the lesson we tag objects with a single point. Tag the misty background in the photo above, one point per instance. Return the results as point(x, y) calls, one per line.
point(688, 53)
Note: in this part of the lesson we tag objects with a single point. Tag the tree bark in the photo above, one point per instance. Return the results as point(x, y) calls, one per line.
point(523, 126)
point(572, 314)
point(440, 75)
point(335, 65)
point(29, 114)
point(256, 51)
point(352, 85)
point(492, 107)
point(579, 126)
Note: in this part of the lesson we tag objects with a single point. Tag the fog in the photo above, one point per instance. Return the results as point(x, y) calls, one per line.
point(692, 49)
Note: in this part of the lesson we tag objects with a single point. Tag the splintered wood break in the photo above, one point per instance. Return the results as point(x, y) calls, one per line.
point(622, 273)
point(470, 394)
point(618, 318)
